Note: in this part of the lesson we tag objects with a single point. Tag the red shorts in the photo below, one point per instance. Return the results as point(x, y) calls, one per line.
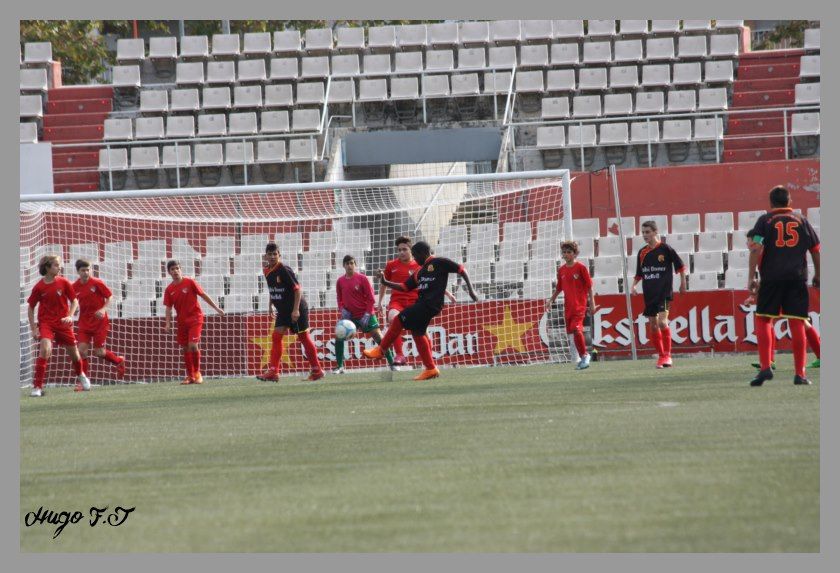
point(574, 322)
point(189, 332)
point(397, 305)
point(61, 333)
point(96, 331)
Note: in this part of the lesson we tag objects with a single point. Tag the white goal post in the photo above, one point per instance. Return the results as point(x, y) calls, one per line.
point(505, 228)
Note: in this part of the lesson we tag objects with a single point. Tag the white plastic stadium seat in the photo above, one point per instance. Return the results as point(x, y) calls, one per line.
point(154, 101)
point(251, 71)
point(633, 27)
point(287, 41)
point(346, 66)
point(601, 28)
point(703, 281)
point(537, 30)
point(687, 223)
point(318, 39)
point(809, 67)
point(712, 99)
point(314, 67)
point(189, 73)
point(708, 262)
point(278, 96)
point(283, 69)
point(350, 38)
point(440, 61)
point(225, 45)
point(184, 100)
point(597, 53)
point(681, 242)
point(116, 129)
point(565, 54)
point(618, 104)
point(611, 246)
point(805, 124)
point(474, 33)
point(812, 39)
point(723, 45)
point(382, 38)
point(661, 223)
point(247, 97)
point(119, 251)
point(719, 72)
point(195, 47)
point(551, 137)
point(35, 80)
point(629, 51)
point(614, 134)
point(682, 101)
point(739, 259)
point(628, 226)
point(605, 285)
point(412, 36)
point(586, 106)
point(735, 278)
point(215, 99)
point(557, 81)
point(568, 29)
point(471, 59)
point(664, 26)
point(676, 130)
point(642, 132)
point(747, 219)
point(586, 228)
point(211, 124)
point(310, 93)
point(145, 158)
point(622, 77)
point(506, 31)
point(659, 49)
point(271, 151)
point(555, 108)
point(208, 154)
point(656, 75)
point(708, 128)
point(242, 123)
point(696, 26)
point(713, 241)
point(443, 34)
point(691, 47)
point(719, 222)
point(592, 79)
point(257, 44)
point(687, 74)
point(807, 94)
point(170, 159)
point(37, 53)
point(29, 131)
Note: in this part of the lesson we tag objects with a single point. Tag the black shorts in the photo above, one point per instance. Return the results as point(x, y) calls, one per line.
point(785, 299)
point(657, 306)
point(417, 317)
point(284, 318)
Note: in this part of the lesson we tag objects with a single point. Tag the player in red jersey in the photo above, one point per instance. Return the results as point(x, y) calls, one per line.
point(354, 295)
point(785, 238)
point(574, 281)
point(430, 281)
point(94, 301)
point(182, 294)
point(291, 313)
point(399, 270)
point(655, 268)
point(56, 302)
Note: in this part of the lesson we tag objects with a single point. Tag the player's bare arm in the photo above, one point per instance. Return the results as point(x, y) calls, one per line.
point(683, 288)
point(296, 305)
point(464, 275)
point(167, 321)
point(73, 308)
point(105, 308)
point(815, 256)
point(390, 284)
point(450, 296)
point(209, 300)
point(30, 311)
point(752, 282)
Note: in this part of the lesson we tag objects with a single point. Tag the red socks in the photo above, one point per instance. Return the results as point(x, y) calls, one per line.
point(394, 331)
point(85, 366)
point(764, 334)
point(276, 351)
point(666, 340)
point(423, 348)
point(656, 338)
point(311, 352)
point(188, 362)
point(40, 372)
point(580, 342)
point(111, 357)
point(77, 366)
point(813, 340)
point(196, 361)
point(800, 347)
point(398, 345)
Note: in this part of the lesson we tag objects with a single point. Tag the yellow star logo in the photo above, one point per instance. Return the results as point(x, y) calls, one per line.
point(509, 333)
point(264, 342)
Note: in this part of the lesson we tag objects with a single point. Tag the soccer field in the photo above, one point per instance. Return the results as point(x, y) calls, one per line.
point(620, 457)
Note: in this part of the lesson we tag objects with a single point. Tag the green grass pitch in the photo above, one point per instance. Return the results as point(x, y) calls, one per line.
point(620, 457)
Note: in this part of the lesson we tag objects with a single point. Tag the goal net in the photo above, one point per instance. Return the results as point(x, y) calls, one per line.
point(505, 228)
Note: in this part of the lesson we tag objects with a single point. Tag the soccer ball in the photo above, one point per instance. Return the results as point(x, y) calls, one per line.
point(345, 329)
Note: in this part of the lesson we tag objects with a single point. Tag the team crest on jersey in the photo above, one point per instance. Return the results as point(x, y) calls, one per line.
point(576, 276)
point(278, 279)
point(92, 289)
point(58, 292)
point(430, 268)
point(184, 290)
point(661, 258)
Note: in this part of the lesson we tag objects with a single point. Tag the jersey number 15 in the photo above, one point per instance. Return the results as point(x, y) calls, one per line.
point(786, 234)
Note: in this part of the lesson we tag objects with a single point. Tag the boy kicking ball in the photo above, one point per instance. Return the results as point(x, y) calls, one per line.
point(574, 281)
point(355, 300)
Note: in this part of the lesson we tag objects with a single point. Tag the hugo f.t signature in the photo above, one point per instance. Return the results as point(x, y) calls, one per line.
point(96, 516)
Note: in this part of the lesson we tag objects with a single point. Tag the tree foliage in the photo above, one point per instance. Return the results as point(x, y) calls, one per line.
point(791, 30)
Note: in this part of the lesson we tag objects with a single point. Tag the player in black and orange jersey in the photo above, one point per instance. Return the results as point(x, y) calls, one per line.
point(655, 268)
point(785, 238)
point(286, 298)
point(430, 281)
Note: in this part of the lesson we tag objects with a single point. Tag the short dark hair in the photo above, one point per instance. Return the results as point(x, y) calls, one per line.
point(172, 263)
point(421, 251)
point(751, 233)
point(779, 196)
point(402, 240)
point(651, 224)
point(570, 246)
point(347, 259)
point(271, 248)
point(82, 264)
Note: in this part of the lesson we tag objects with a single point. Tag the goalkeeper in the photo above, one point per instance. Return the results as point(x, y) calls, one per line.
point(355, 301)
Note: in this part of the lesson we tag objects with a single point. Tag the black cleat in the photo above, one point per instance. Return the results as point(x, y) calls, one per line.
point(800, 381)
point(761, 377)
point(757, 365)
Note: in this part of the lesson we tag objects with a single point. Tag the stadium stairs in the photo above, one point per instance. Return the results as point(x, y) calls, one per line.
point(76, 115)
point(764, 79)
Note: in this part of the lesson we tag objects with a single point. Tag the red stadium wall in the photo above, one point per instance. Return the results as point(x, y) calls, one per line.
point(494, 332)
point(689, 189)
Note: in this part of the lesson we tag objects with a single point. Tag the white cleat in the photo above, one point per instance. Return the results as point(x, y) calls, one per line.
point(36, 393)
point(85, 382)
point(338, 370)
point(584, 362)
